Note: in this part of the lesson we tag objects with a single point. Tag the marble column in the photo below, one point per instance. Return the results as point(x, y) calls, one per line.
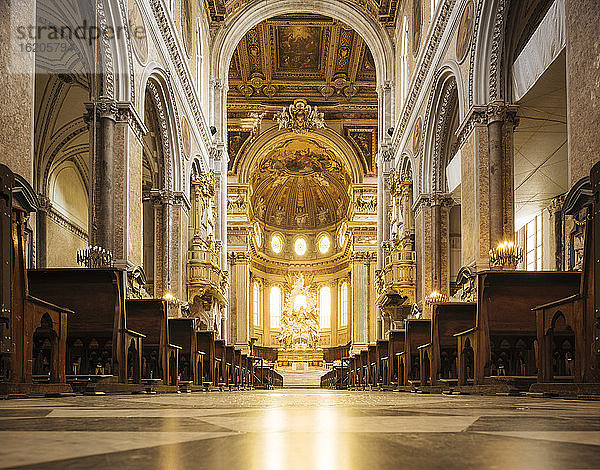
point(583, 69)
point(364, 321)
point(383, 217)
point(239, 299)
point(17, 90)
point(116, 188)
point(501, 123)
point(432, 253)
point(101, 117)
point(163, 218)
point(181, 208)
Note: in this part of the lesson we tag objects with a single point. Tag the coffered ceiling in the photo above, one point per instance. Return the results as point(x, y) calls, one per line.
point(384, 11)
point(303, 56)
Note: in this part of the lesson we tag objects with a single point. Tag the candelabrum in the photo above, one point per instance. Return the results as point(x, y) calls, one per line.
point(171, 300)
point(506, 254)
point(95, 257)
point(435, 297)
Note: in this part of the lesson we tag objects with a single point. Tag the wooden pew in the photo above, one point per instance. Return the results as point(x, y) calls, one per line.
point(183, 332)
point(353, 367)
point(99, 339)
point(33, 331)
point(566, 328)
point(230, 366)
point(448, 318)
point(395, 350)
point(502, 342)
point(372, 364)
point(205, 341)
point(418, 332)
point(364, 368)
point(160, 358)
point(220, 372)
point(382, 359)
point(237, 368)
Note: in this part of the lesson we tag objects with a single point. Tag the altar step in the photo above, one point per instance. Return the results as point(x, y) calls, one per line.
point(301, 379)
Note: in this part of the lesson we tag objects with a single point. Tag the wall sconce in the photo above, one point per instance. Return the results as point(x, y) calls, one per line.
point(435, 297)
point(506, 254)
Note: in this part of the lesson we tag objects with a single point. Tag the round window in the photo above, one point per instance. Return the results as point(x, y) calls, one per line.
point(324, 244)
point(300, 246)
point(277, 243)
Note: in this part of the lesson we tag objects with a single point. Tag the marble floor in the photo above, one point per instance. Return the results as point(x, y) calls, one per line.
point(299, 429)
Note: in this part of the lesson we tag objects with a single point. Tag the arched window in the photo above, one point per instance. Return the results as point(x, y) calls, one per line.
point(275, 306)
point(325, 306)
point(256, 303)
point(344, 304)
point(404, 62)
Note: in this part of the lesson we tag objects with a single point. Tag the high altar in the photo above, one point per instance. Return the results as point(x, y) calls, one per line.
point(300, 327)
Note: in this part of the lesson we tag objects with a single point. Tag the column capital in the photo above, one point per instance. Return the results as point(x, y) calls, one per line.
point(501, 111)
point(161, 197)
point(433, 199)
point(118, 111)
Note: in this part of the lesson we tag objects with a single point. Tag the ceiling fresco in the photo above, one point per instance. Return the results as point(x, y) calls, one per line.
point(300, 184)
point(384, 11)
point(309, 56)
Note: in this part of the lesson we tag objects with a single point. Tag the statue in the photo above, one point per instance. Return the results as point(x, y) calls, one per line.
point(300, 326)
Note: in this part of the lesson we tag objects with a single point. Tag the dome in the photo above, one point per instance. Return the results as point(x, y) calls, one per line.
point(300, 184)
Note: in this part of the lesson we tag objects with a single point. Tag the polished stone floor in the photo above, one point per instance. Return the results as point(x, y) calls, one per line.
point(299, 429)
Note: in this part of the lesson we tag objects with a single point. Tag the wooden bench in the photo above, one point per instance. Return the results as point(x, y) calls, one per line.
point(395, 350)
point(160, 358)
point(418, 332)
point(364, 368)
point(382, 359)
point(354, 367)
point(33, 339)
point(205, 342)
point(230, 365)
point(567, 328)
point(183, 332)
point(221, 370)
point(502, 342)
point(372, 364)
point(448, 318)
point(99, 339)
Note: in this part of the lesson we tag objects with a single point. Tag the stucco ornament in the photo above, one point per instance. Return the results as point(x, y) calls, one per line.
point(300, 117)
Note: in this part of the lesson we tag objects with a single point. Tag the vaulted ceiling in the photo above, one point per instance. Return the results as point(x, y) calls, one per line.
point(312, 57)
point(384, 11)
point(303, 56)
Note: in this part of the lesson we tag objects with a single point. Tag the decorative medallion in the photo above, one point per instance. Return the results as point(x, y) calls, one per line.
point(463, 38)
point(186, 25)
point(270, 90)
point(327, 91)
point(137, 31)
point(300, 117)
point(417, 135)
point(417, 25)
point(185, 137)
